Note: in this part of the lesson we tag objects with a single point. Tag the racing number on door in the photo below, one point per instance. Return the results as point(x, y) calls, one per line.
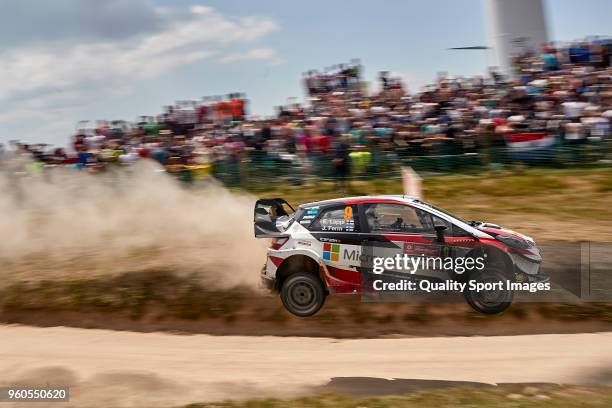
point(348, 213)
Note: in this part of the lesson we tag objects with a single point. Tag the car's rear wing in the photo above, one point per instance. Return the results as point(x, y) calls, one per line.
point(269, 217)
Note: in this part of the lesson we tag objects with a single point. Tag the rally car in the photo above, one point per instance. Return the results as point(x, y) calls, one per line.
point(327, 247)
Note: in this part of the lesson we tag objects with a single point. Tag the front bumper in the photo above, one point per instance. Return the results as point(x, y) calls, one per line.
point(528, 270)
point(540, 277)
point(525, 265)
point(537, 278)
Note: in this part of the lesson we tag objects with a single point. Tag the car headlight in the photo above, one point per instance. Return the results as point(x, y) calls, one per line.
point(522, 247)
point(514, 242)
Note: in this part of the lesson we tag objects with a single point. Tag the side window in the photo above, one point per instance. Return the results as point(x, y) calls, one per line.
point(337, 219)
point(451, 230)
point(385, 217)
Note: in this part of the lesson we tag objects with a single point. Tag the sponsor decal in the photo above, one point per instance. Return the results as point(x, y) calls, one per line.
point(305, 243)
point(331, 252)
point(355, 255)
point(329, 240)
point(415, 248)
point(311, 212)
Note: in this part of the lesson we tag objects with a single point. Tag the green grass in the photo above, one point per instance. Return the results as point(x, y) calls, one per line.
point(508, 396)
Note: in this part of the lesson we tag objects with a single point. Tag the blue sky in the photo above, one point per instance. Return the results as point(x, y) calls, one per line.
point(86, 59)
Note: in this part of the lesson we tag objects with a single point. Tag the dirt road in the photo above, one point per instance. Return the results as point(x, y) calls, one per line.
point(107, 368)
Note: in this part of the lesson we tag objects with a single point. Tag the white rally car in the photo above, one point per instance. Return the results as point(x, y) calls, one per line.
point(325, 247)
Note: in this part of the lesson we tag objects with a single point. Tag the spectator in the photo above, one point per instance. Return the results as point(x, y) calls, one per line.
point(564, 92)
point(342, 163)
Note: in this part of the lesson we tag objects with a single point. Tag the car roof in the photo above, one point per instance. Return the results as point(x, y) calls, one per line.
point(398, 199)
point(388, 198)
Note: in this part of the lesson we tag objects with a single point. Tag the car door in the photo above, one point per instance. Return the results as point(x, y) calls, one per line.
point(458, 243)
point(337, 228)
point(392, 229)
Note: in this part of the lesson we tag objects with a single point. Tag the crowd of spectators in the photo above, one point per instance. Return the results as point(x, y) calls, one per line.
point(563, 92)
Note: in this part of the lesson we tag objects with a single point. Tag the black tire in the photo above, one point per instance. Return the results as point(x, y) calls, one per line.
point(489, 302)
point(302, 294)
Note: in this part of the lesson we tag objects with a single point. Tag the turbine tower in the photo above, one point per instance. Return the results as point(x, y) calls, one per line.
point(514, 26)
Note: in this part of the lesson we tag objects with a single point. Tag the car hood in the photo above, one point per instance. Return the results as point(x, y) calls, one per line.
point(494, 229)
point(529, 251)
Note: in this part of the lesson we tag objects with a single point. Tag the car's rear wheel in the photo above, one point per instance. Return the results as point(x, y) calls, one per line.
point(302, 294)
point(489, 301)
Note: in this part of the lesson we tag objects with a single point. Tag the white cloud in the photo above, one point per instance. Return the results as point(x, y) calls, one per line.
point(52, 114)
point(202, 36)
point(32, 75)
point(263, 54)
point(200, 9)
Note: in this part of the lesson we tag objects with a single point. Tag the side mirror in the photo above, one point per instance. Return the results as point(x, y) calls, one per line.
point(440, 232)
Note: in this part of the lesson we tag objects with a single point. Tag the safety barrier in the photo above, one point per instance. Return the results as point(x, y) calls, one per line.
point(263, 170)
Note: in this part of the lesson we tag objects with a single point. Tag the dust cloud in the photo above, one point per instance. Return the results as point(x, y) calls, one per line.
point(71, 223)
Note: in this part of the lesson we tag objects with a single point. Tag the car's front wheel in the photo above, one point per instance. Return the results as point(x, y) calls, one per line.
point(302, 294)
point(489, 301)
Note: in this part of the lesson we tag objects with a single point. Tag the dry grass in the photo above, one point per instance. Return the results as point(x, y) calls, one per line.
point(544, 203)
point(133, 293)
point(158, 299)
point(507, 396)
point(547, 204)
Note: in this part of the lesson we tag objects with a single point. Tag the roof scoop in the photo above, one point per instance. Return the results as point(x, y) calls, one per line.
point(489, 225)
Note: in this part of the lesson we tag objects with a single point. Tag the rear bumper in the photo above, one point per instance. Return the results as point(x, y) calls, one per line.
point(266, 281)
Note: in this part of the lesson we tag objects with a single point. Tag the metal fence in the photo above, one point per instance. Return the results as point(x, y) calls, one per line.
point(261, 170)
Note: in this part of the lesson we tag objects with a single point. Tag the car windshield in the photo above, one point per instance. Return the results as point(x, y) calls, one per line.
point(443, 211)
